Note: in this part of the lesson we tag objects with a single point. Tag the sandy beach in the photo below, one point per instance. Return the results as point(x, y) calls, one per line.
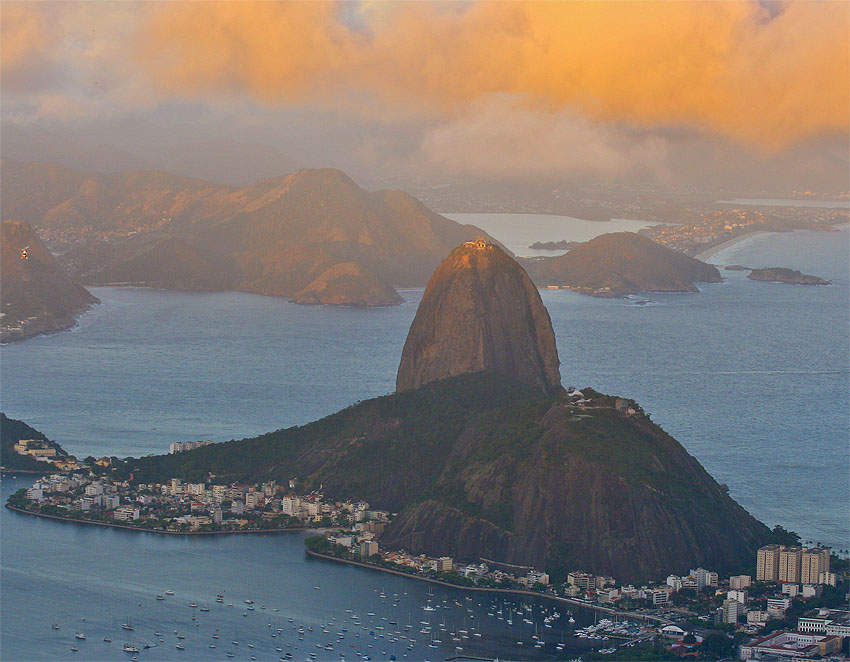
point(707, 254)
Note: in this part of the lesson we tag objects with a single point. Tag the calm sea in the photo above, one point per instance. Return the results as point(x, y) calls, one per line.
point(751, 377)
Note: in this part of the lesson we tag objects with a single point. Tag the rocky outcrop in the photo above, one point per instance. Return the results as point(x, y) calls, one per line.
point(480, 312)
point(349, 284)
point(36, 295)
point(622, 263)
point(783, 275)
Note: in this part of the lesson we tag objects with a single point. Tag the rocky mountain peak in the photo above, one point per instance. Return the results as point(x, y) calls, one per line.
point(480, 312)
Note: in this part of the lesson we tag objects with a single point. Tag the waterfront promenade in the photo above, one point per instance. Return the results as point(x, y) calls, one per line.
point(482, 589)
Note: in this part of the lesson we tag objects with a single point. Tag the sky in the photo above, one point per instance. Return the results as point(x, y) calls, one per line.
point(672, 92)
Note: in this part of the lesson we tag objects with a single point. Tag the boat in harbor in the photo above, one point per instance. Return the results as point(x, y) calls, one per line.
point(80, 636)
point(130, 648)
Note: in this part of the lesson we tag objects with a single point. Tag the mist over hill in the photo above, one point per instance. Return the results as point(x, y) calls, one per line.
point(276, 237)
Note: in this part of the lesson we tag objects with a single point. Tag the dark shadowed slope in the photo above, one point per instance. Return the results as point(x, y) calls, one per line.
point(36, 296)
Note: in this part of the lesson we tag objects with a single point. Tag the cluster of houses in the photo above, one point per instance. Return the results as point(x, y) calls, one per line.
point(709, 228)
point(182, 506)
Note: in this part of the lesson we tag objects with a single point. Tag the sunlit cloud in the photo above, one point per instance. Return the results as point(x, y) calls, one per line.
point(734, 69)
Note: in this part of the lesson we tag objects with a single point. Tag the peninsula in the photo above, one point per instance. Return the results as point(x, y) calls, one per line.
point(479, 464)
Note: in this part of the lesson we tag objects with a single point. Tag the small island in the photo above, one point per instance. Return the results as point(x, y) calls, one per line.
point(562, 245)
point(783, 275)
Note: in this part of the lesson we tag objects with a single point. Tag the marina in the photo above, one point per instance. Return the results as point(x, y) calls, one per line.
point(382, 634)
point(356, 613)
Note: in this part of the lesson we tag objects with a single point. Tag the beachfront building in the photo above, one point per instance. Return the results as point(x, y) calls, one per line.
point(792, 645)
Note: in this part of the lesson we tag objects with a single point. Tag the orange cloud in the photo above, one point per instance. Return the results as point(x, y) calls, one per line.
point(723, 66)
point(273, 50)
point(25, 37)
point(726, 67)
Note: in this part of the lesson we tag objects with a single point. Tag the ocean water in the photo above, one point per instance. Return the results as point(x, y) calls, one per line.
point(752, 378)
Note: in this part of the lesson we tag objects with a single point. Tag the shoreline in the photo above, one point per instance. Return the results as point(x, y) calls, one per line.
point(708, 253)
point(482, 589)
point(159, 531)
point(11, 472)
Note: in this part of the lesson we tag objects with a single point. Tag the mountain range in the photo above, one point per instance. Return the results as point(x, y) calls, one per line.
point(286, 236)
point(314, 236)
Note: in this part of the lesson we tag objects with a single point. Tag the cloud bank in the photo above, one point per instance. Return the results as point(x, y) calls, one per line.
point(729, 67)
point(569, 85)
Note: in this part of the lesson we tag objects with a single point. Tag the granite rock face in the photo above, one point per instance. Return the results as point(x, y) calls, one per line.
point(480, 312)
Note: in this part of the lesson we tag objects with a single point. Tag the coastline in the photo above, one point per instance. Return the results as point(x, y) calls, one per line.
point(11, 472)
point(708, 253)
point(482, 589)
point(159, 531)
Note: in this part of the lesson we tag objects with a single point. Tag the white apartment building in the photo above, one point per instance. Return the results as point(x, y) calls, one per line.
point(704, 578)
